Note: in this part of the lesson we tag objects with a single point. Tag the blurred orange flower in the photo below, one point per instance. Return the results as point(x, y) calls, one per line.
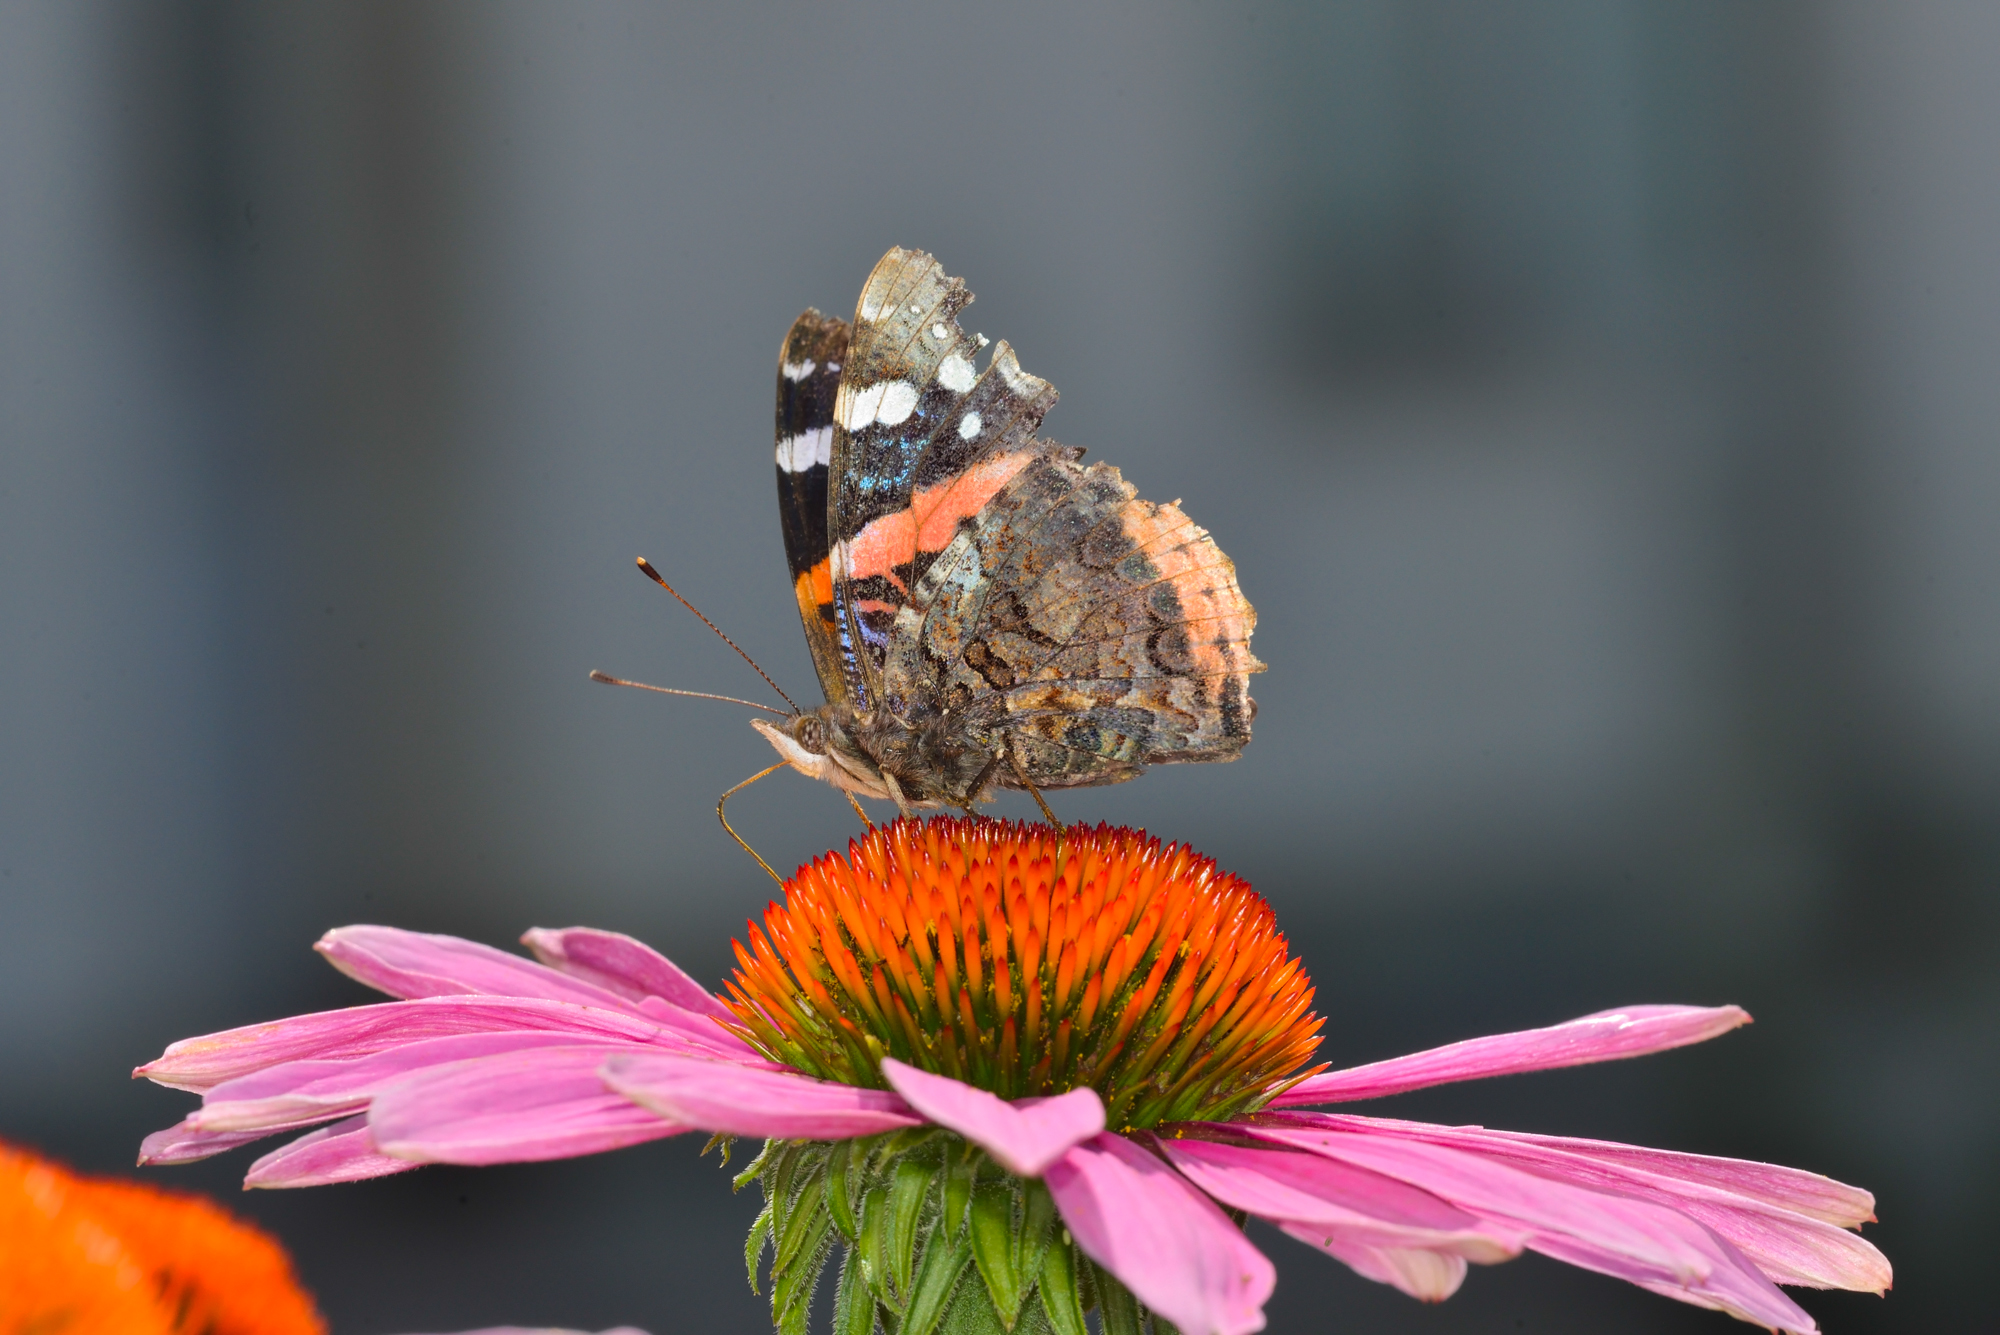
point(99, 1256)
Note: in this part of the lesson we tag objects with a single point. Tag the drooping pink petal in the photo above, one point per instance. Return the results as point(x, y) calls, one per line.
point(1794, 1189)
point(1165, 1241)
point(1734, 1285)
point(342, 1152)
point(1618, 1235)
point(182, 1143)
point(623, 964)
point(1327, 1198)
point(303, 1092)
point(1786, 1245)
point(1430, 1276)
point(1605, 1036)
point(732, 1099)
point(199, 1064)
point(1024, 1137)
point(513, 1107)
point(422, 964)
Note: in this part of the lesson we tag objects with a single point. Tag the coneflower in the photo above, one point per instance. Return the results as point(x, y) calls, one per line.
point(1012, 1074)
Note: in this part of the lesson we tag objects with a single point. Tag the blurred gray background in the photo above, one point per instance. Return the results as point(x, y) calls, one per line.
point(1598, 400)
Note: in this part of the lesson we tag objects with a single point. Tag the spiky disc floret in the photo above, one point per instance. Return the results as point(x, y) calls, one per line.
point(1028, 961)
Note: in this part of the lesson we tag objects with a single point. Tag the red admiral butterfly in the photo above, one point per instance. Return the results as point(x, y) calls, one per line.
point(983, 610)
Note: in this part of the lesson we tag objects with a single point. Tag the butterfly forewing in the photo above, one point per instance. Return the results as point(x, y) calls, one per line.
point(809, 366)
point(919, 443)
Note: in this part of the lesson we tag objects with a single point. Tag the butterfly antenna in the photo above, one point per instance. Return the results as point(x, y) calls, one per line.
point(731, 830)
point(646, 567)
point(610, 680)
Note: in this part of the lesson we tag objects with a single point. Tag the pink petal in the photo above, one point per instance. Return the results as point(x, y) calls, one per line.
point(1787, 1246)
point(303, 1092)
point(1788, 1188)
point(1168, 1243)
point(419, 964)
point(624, 965)
point(699, 1028)
point(1024, 1137)
point(1648, 1244)
point(1328, 1199)
point(1733, 1286)
point(736, 1100)
point(515, 1107)
point(1605, 1036)
point(342, 1152)
point(199, 1064)
point(183, 1143)
point(1424, 1274)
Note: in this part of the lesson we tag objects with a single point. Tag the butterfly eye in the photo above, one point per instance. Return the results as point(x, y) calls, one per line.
point(810, 734)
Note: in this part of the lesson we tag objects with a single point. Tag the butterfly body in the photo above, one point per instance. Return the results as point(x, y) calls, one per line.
point(983, 609)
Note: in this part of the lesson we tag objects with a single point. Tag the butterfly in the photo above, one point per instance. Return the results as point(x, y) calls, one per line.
point(984, 611)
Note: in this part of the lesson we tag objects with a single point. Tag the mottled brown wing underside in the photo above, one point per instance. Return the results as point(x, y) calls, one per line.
point(971, 574)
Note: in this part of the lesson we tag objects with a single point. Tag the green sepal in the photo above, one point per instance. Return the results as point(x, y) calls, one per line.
point(753, 1246)
point(1117, 1309)
point(961, 1170)
point(993, 1246)
point(943, 1264)
point(777, 1179)
point(908, 1190)
point(839, 1190)
point(1037, 1231)
point(853, 1304)
point(873, 1244)
point(792, 1288)
point(756, 1167)
point(1060, 1298)
point(805, 1224)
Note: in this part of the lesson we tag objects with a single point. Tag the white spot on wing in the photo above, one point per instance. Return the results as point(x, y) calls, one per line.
point(860, 407)
point(968, 426)
point(798, 370)
point(890, 403)
point(899, 400)
point(955, 374)
point(798, 453)
point(940, 333)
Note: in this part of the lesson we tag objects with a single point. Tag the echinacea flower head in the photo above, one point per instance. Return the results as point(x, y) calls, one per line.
point(1029, 963)
point(1011, 1074)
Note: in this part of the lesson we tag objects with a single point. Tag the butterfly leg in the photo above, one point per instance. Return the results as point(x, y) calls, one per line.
point(977, 787)
point(856, 804)
point(1021, 773)
point(896, 791)
point(732, 833)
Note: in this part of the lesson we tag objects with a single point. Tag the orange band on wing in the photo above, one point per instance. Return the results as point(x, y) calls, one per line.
point(932, 517)
point(815, 587)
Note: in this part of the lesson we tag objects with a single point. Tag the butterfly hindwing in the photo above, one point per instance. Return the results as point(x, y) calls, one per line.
point(1100, 632)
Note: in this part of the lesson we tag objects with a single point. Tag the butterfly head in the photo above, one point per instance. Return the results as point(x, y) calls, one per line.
point(819, 743)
